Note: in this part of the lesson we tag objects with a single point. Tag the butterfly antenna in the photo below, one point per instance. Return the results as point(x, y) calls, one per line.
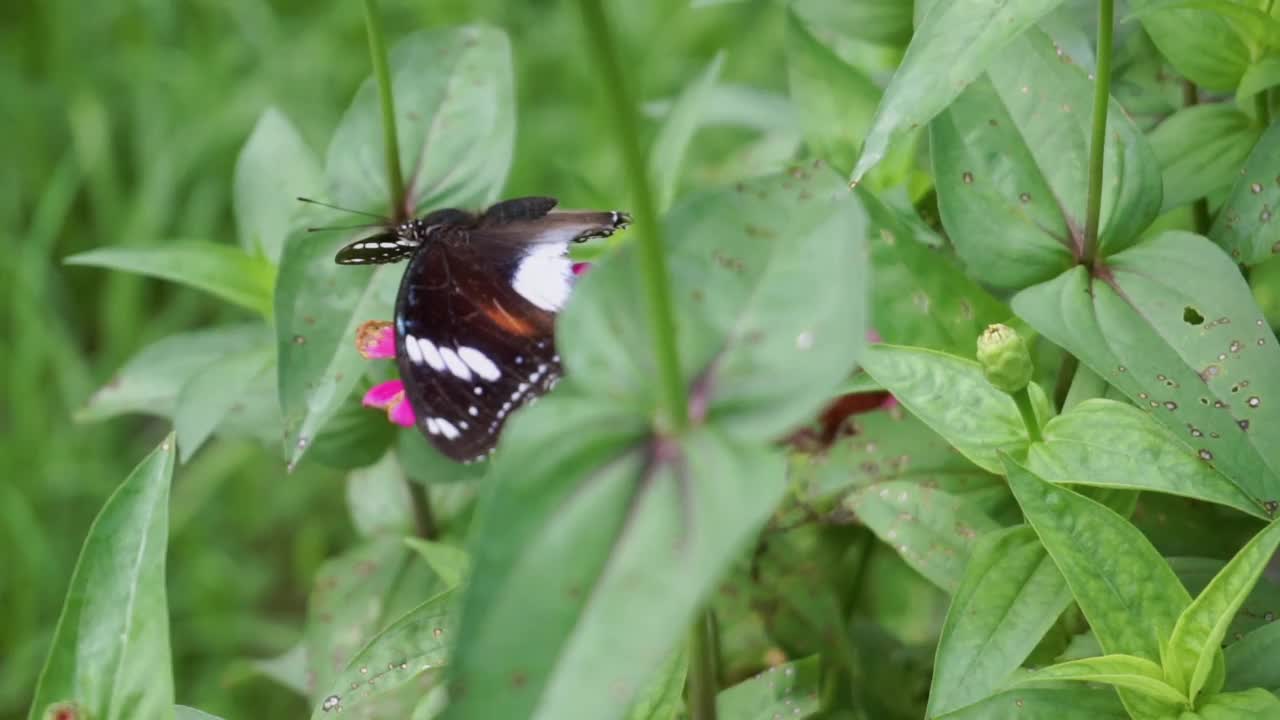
point(346, 227)
point(385, 220)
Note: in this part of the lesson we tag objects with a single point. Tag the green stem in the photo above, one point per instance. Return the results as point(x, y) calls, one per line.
point(382, 74)
point(1098, 141)
point(1200, 209)
point(423, 518)
point(702, 669)
point(1023, 399)
point(1262, 104)
point(653, 267)
point(1066, 374)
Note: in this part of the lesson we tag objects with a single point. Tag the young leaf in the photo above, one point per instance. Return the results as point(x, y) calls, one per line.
point(1201, 43)
point(1112, 444)
point(1010, 596)
point(379, 499)
point(206, 399)
point(222, 270)
point(1124, 588)
point(1248, 226)
point(1197, 638)
point(933, 531)
point(1254, 704)
point(953, 398)
point(1201, 149)
point(1011, 164)
point(952, 45)
point(1172, 324)
point(452, 565)
point(789, 690)
point(1251, 660)
point(1134, 673)
point(274, 168)
point(1065, 702)
point(109, 657)
point(1261, 607)
point(666, 158)
point(592, 551)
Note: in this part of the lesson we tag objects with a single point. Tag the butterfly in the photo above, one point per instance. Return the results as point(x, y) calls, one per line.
point(475, 314)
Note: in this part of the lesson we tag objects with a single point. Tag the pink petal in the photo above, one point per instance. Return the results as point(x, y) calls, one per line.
point(384, 395)
point(580, 268)
point(889, 402)
point(873, 336)
point(401, 413)
point(376, 340)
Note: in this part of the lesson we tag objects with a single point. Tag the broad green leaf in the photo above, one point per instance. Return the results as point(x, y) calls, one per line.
point(953, 398)
point(933, 531)
point(1261, 76)
point(1134, 673)
point(1011, 164)
point(455, 122)
point(1248, 226)
point(275, 167)
point(210, 394)
point(1201, 149)
point(426, 465)
point(1126, 590)
point(1261, 606)
point(1202, 44)
point(789, 690)
point(1251, 660)
point(885, 22)
point(407, 651)
point(1254, 704)
point(150, 381)
point(610, 539)
point(1111, 444)
point(1197, 638)
point(663, 698)
point(951, 47)
point(666, 157)
point(773, 277)
point(224, 271)
point(347, 607)
point(354, 437)
point(182, 712)
point(450, 564)
point(744, 106)
point(109, 656)
point(1066, 702)
point(836, 101)
point(1010, 596)
point(379, 499)
point(919, 295)
point(288, 669)
point(1172, 324)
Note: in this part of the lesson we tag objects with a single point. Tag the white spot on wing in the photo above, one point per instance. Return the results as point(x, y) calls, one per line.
point(412, 349)
point(430, 354)
point(544, 276)
point(432, 426)
point(447, 429)
point(456, 366)
point(473, 411)
point(479, 362)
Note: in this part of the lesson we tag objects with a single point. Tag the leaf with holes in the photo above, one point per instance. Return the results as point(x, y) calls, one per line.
point(1125, 589)
point(273, 169)
point(953, 44)
point(790, 689)
point(1066, 701)
point(1010, 596)
point(1201, 149)
point(209, 396)
point(666, 159)
point(1248, 226)
point(456, 124)
point(610, 538)
point(933, 531)
point(109, 656)
point(772, 278)
point(1172, 324)
point(1201, 42)
point(1140, 675)
point(953, 398)
point(1011, 160)
point(1196, 643)
point(1111, 444)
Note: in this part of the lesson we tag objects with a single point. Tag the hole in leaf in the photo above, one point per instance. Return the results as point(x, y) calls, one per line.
point(1191, 317)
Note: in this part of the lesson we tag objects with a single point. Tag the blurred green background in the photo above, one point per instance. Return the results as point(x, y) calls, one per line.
point(122, 121)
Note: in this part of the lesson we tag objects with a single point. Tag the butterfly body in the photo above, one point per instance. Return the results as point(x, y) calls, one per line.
point(475, 313)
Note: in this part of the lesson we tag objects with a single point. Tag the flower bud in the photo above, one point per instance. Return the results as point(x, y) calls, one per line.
point(1004, 357)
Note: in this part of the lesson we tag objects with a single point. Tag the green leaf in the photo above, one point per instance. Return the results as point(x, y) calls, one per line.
point(1127, 591)
point(410, 650)
point(1064, 702)
point(221, 270)
point(951, 47)
point(456, 128)
point(452, 565)
point(883, 22)
point(288, 669)
point(666, 157)
point(1201, 149)
point(1011, 163)
point(611, 540)
point(109, 657)
point(1010, 596)
point(663, 698)
point(1251, 660)
point(739, 106)
point(933, 531)
point(275, 167)
point(182, 712)
point(836, 101)
point(1263, 604)
point(425, 464)
point(150, 381)
point(1201, 43)
point(789, 690)
point(953, 398)
point(1126, 671)
point(1261, 76)
point(1248, 226)
point(773, 277)
point(212, 391)
point(379, 499)
point(1111, 444)
point(1172, 324)
point(1197, 638)
point(1255, 704)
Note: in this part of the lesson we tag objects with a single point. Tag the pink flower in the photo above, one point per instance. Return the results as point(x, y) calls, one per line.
point(581, 267)
point(376, 340)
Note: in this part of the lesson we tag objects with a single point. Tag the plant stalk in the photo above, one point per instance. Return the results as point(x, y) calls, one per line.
point(382, 75)
point(653, 267)
point(1023, 399)
point(702, 669)
point(1098, 141)
point(1200, 209)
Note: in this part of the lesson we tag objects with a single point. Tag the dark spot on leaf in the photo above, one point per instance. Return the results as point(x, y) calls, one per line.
point(1253, 401)
point(1171, 405)
point(1025, 198)
point(1255, 188)
point(1191, 316)
point(1205, 455)
point(298, 340)
point(1244, 424)
point(967, 177)
point(519, 679)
